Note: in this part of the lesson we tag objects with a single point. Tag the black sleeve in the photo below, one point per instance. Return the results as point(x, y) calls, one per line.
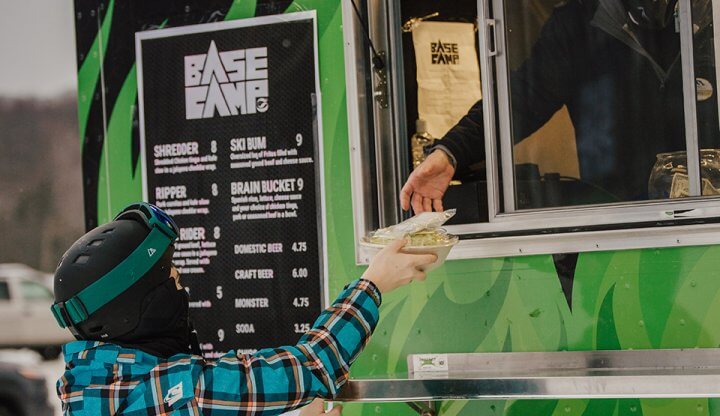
point(538, 88)
point(465, 139)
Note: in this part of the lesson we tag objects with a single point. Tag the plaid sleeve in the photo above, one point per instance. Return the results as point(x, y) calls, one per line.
point(273, 381)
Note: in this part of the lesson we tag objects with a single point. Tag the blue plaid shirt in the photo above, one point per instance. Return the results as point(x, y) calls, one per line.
point(103, 379)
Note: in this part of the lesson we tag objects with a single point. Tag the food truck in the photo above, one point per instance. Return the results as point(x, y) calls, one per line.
point(280, 133)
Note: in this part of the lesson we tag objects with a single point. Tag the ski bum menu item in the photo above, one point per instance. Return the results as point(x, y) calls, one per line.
point(230, 147)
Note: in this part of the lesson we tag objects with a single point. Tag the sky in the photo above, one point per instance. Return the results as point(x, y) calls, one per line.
point(37, 48)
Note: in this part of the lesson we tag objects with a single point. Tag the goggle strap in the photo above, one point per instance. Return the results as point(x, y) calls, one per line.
point(67, 314)
point(116, 281)
point(156, 218)
point(57, 313)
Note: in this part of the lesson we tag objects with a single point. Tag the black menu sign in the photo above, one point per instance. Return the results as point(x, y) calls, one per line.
point(231, 148)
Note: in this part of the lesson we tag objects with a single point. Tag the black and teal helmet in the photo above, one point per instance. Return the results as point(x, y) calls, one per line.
point(103, 280)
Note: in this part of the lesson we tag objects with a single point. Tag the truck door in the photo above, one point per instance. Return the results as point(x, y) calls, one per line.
point(9, 315)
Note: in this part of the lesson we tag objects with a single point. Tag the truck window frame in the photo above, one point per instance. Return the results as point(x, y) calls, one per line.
point(509, 232)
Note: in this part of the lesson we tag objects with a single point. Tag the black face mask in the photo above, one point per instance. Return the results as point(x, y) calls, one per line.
point(651, 14)
point(164, 329)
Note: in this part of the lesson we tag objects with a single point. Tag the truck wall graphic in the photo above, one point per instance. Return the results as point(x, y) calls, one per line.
point(664, 298)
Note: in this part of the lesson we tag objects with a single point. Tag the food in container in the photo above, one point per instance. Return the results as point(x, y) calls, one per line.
point(423, 232)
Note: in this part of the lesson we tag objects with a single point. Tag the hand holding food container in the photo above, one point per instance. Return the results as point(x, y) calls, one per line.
point(391, 267)
point(422, 234)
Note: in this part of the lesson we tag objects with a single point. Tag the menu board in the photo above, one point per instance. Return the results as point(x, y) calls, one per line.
point(231, 149)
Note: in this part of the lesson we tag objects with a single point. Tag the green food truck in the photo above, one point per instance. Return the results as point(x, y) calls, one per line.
point(584, 148)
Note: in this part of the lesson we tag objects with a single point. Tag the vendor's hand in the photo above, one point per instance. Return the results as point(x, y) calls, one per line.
point(316, 408)
point(392, 268)
point(426, 185)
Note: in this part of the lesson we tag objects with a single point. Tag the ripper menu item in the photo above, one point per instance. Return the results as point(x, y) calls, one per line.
point(231, 149)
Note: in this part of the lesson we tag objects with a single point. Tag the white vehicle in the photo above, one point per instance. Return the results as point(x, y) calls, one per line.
point(25, 316)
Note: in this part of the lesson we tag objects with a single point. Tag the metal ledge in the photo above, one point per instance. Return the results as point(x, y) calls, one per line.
point(554, 375)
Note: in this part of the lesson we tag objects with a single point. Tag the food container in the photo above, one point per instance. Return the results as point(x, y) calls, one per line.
point(420, 242)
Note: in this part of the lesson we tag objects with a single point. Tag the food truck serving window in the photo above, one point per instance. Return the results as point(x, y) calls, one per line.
point(575, 126)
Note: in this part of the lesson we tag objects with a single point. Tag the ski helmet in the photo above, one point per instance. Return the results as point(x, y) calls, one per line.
point(103, 278)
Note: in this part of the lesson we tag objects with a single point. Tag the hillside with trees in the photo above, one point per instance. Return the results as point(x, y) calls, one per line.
point(41, 210)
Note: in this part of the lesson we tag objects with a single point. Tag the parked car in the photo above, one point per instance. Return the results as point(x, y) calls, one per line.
point(23, 392)
point(23, 270)
point(25, 317)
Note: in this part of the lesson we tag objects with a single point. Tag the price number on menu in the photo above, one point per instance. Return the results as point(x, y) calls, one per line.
point(299, 273)
point(301, 302)
point(299, 246)
point(302, 328)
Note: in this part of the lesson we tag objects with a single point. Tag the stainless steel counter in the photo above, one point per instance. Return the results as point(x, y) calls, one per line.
point(554, 375)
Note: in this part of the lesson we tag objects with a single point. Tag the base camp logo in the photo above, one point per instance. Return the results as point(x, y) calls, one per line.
point(227, 83)
point(444, 53)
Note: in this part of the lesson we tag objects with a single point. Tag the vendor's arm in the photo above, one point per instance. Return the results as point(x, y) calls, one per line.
point(538, 88)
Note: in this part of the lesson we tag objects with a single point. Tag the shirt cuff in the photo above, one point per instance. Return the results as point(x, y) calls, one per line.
point(369, 288)
point(448, 152)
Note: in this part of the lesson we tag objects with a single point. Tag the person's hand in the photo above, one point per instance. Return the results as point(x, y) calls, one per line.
point(316, 408)
point(427, 184)
point(392, 268)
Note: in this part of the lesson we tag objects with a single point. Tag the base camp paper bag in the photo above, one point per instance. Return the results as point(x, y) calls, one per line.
point(448, 73)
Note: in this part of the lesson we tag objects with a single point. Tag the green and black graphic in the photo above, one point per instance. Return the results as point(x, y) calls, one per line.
point(640, 299)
